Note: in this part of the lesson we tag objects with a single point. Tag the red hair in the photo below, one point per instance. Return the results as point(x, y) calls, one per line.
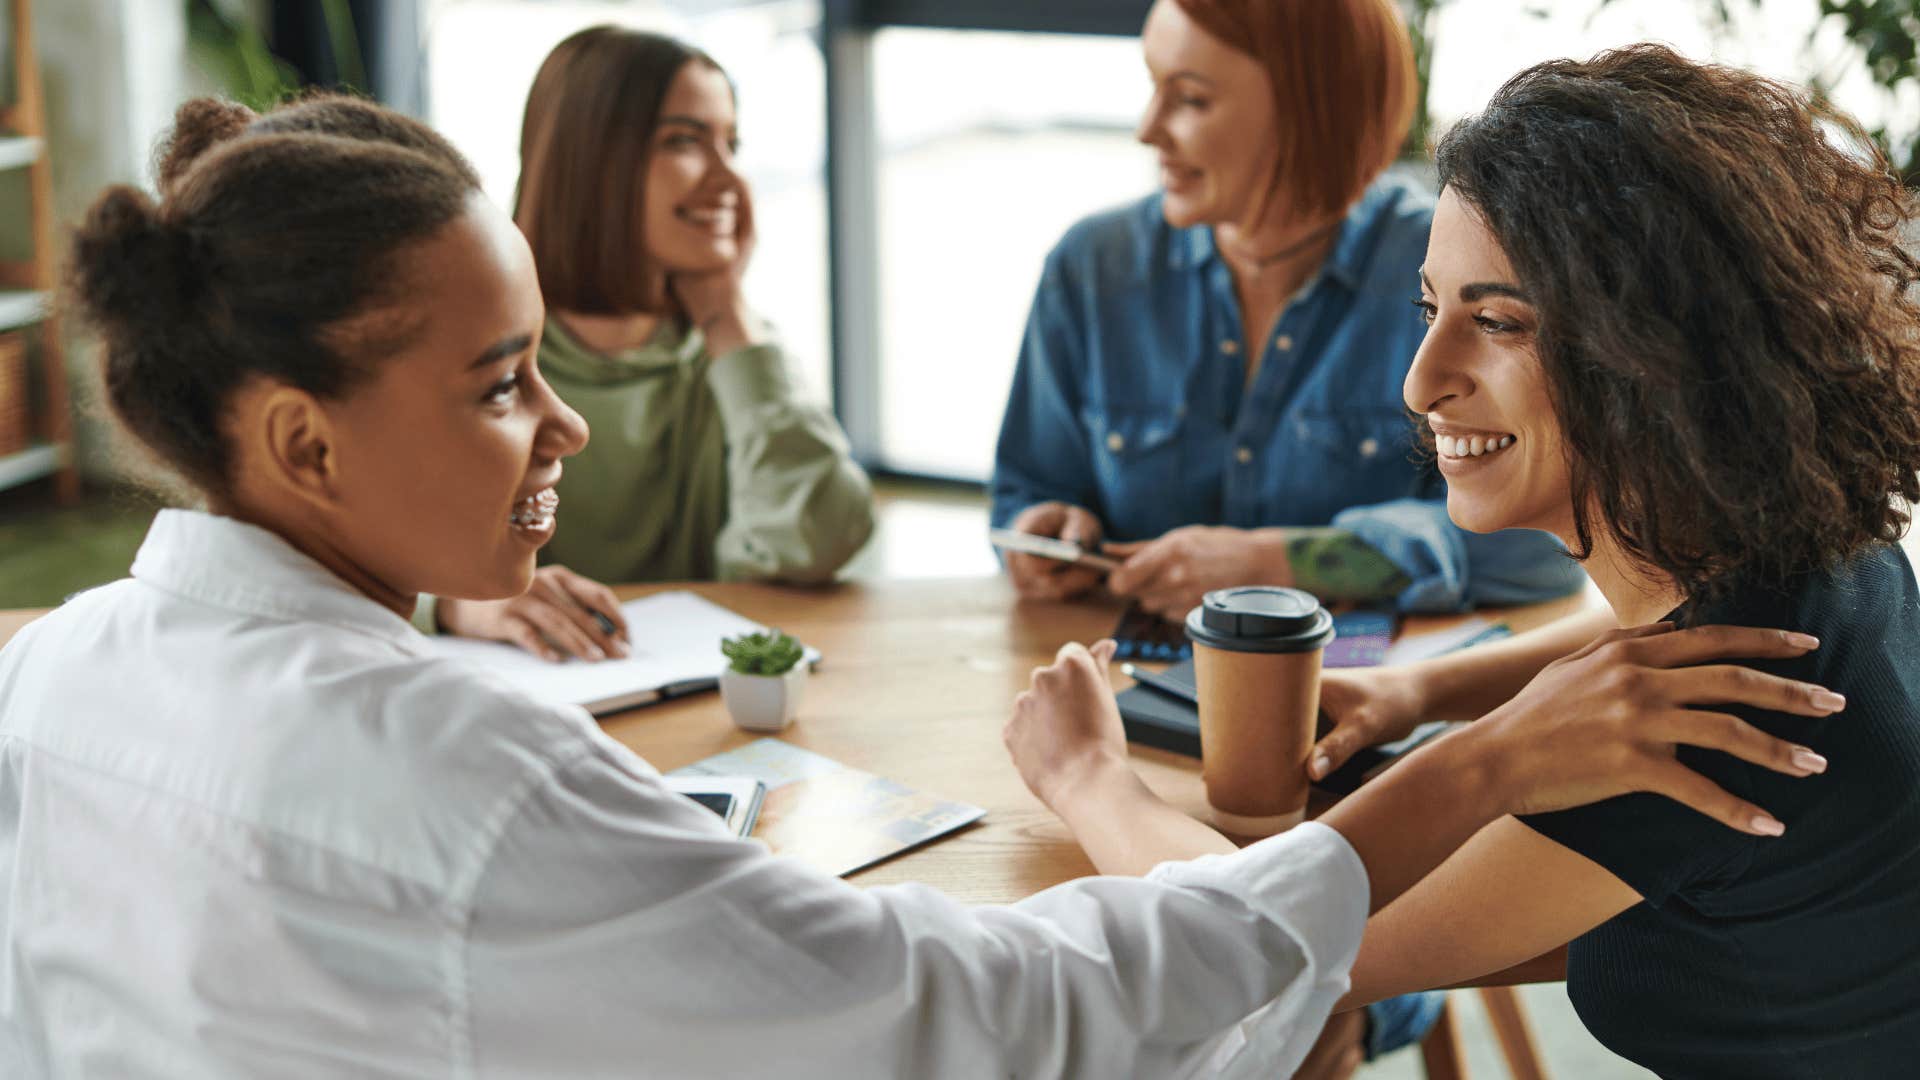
point(1344, 89)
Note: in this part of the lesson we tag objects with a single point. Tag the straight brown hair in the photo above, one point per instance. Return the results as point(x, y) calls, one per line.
point(1344, 87)
point(584, 147)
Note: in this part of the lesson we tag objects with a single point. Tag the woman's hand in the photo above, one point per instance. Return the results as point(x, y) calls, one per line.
point(553, 619)
point(1367, 706)
point(1051, 579)
point(1066, 738)
point(1169, 575)
point(1606, 721)
point(712, 300)
point(1065, 730)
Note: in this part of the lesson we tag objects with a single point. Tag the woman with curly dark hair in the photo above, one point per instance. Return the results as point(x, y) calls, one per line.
point(1671, 321)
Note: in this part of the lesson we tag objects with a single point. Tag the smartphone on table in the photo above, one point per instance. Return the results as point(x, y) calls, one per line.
point(736, 799)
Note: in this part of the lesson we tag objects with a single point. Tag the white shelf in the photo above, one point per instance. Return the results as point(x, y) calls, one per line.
point(19, 151)
point(41, 459)
point(22, 307)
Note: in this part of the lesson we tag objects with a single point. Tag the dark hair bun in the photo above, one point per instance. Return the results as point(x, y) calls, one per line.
point(269, 234)
point(198, 126)
point(130, 268)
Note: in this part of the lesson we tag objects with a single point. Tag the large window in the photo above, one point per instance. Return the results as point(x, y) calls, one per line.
point(974, 187)
point(913, 160)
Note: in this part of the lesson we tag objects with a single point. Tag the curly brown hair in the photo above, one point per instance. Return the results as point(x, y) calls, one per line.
point(1725, 314)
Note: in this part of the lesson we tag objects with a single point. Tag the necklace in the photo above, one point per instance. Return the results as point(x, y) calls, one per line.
point(1259, 263)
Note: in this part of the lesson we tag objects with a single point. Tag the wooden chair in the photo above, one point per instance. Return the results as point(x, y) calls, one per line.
point(1442, 1053)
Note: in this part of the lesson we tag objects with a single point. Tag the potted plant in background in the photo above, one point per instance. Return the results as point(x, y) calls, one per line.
point(230, 46)
point(761, 684)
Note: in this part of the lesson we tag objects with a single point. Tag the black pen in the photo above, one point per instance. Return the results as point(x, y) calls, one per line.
point(602, 620)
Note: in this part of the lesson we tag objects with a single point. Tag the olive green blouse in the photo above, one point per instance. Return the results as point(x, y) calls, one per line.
point(700, 467)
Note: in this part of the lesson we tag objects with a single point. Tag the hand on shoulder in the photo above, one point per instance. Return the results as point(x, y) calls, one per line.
point(1607, 720)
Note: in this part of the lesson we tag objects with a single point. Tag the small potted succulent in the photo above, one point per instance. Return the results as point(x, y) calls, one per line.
point(761, 684)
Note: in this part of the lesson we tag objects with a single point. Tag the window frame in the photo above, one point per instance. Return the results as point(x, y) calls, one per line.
point(847, 33)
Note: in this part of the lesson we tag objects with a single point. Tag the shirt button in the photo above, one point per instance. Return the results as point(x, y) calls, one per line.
point(1116, 442)
point(1229, 347)
point(1243, 455)
point(1369, 447)
point(1283, 342)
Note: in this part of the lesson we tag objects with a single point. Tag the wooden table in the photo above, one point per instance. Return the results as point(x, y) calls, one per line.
point(915, 685)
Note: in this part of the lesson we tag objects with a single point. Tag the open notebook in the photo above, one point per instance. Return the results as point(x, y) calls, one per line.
point(676, 650)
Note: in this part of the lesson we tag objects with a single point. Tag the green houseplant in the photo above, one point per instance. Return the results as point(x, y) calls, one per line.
point(229, 44)
point(761, 685)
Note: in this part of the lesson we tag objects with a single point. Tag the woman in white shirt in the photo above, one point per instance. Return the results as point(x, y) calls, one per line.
point(249, 826)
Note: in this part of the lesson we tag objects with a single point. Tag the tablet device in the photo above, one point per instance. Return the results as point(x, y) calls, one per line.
point(1050, 547)
point(736, 799)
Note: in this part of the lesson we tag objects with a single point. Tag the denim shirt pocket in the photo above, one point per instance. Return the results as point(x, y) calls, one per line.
point(1354, 457)
point(1136, 453)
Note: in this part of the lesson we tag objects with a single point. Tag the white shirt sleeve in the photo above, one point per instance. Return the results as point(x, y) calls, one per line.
point(618, 928)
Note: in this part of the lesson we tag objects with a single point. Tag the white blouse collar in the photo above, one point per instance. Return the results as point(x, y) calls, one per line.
point(230, 564)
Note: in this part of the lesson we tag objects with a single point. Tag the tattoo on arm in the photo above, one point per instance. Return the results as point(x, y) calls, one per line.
point(1336, 564)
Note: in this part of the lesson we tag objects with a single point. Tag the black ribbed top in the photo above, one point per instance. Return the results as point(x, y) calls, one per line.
point(1792, 957)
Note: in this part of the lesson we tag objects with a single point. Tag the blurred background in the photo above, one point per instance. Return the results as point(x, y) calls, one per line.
point(913, 160)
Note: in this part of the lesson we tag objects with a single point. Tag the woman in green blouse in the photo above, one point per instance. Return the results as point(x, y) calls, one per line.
point(704, 462)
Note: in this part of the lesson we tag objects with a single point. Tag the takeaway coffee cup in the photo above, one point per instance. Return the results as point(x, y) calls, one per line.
point(1256, 658)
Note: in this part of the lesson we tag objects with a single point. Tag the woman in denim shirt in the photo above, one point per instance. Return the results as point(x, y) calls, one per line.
point(1211, 377)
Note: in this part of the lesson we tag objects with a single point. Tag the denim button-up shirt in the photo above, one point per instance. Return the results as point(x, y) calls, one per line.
point(1130, 399)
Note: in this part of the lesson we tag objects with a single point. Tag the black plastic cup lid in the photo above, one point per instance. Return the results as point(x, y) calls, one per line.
point(1260, 618)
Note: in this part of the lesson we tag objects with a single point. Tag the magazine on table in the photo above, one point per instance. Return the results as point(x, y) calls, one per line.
point(831, 816)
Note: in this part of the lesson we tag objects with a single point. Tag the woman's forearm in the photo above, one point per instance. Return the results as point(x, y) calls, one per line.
point(1468, 685)
point(1412, 817)
point(798, 507)
point(1126, 829)
point(1548, 967)
point(1402, 824)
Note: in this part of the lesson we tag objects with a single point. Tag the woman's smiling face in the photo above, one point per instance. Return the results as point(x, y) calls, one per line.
point(692, 193)
point(447, 458)
point(1479, 383)
point(1211, 119)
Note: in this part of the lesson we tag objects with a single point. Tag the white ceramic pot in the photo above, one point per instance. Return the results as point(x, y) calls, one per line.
point(763, 702)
